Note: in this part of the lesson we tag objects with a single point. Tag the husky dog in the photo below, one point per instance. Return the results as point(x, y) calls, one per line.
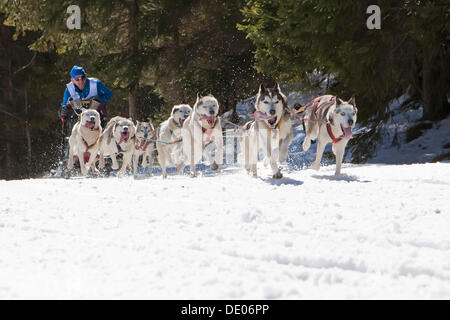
point(201, 130)
point(170, 151)
point(83, 141)
point(270, 133)
point(143, 146)
point(331, 120)
point(118, 137)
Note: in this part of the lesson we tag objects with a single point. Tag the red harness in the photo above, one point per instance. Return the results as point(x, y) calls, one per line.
point(316, 106)
point(144, 147)
point(330, 132)
point(208, 132)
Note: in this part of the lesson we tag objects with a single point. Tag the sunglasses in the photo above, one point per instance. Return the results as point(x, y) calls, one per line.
point(79, 78)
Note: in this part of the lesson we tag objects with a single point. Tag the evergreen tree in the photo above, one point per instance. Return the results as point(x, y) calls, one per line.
point(296, 37)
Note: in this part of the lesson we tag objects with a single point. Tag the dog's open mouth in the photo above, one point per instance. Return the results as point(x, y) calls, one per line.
point(181, 121)
point(124, 135)
point(262, 116)
point(90, 124)
point(209, 119)
point(347, 132)
point(272, 121)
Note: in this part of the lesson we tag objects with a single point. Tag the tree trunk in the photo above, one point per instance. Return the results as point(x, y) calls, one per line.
point(132, 105)
point(9, 163)
point(131, 52)
point(27, 132)
point(435, 104)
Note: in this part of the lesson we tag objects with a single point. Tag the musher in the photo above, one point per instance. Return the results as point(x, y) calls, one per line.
point(82, 88)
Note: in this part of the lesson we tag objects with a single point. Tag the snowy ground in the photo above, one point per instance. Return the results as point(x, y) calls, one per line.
point(376, 232)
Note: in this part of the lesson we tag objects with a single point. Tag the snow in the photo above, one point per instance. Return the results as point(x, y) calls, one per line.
point(375, 232)
point(394, 149)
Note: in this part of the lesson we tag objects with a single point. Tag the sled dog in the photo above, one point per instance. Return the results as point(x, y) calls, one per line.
point(83, 141)
point(118, 137)
point(169, 145)
point(201, 132)
point(331, 121)
point(270, 133)
point(144, 146)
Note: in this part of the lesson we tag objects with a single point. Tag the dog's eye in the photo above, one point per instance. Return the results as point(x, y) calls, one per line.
point(342, 113)
point(266, 102)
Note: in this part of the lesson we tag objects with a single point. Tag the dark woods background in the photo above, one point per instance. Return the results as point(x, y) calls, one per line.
point(154, 54)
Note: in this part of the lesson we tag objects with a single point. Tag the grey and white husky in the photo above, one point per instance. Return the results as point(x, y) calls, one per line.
point(270, 134)
point(144, 146)
point(331, 120)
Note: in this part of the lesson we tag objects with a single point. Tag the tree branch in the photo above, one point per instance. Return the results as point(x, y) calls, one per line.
point(27, 65)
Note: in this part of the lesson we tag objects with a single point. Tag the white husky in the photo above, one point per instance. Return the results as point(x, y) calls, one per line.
point(270, 133)
point(202, 130)
point(331, 120)
point(118, 137)
point(169, 145)
point(84, 141)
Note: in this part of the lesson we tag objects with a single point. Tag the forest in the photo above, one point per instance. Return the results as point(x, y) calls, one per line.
point(156, 53)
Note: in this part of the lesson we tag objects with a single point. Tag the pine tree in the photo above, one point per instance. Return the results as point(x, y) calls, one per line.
point(297, 37)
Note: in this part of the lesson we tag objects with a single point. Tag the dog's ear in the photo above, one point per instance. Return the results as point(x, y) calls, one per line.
point(276, 88)
point(174, 110)
point(339, 101)
point(331, 118)
point(330, 113)
point(352, 101)
point(261, 89)
point(108, 133)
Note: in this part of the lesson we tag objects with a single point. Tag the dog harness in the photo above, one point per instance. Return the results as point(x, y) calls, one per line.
point(88, 147)
point(119, 149)
point(209, 131)
point(330, 133)
point(142, 146)
point(315, 104)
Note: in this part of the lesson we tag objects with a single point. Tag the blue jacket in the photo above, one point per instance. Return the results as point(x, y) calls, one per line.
point(103, 93)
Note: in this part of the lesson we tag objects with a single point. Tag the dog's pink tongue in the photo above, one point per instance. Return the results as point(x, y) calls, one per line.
point(262, 116)
point(124, 137)
point(347, 132)
point(89, 124)
point(210, 119)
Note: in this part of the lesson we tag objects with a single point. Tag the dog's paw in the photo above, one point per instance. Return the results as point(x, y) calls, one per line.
point(315, 166)
point(277, 175)
point(214, 167)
